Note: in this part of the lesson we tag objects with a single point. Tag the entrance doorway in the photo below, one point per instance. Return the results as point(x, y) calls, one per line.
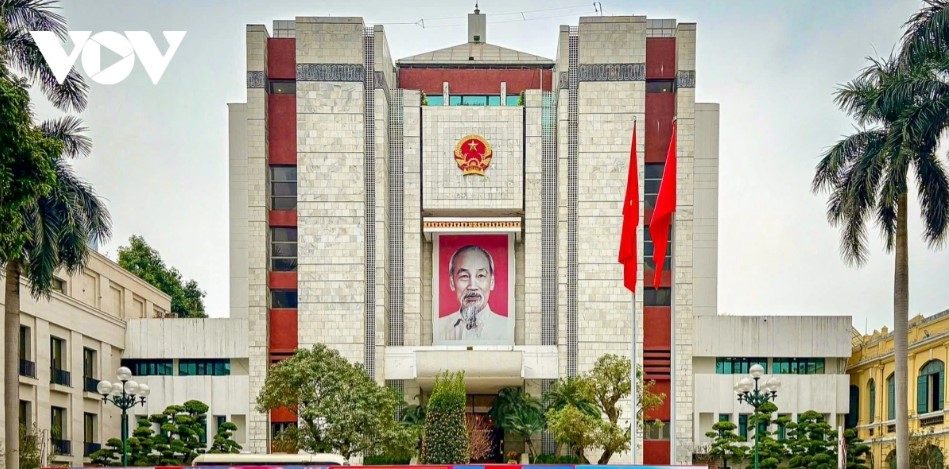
point(487, 439)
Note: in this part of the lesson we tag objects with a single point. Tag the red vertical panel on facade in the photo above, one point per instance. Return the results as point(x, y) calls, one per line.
point(649, 274)
point(660, 109)
point(283, 218)
point(282, 128)
point(282, 415)
point(282, 58)
point(474, 81)
point(282, 280)
point(283, 330)
point(656, 452)
point(664, 411)
point(660, 58)
point(656, 319)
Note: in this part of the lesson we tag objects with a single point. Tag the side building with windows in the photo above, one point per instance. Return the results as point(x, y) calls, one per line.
point(68, 343)
point(872, 387)
point(807, 354)
point(203, 359)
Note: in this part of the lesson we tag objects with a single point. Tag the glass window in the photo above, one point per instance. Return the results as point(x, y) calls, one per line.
point(930, 387)
point(283, 187)
point(648, 247)
point(283, 87)
point(743, 426)
point(204, 367)
point(283, 249)
point(512, 100)
point(57, 360)
point(652, 178)
point(494, 100)
point(154, 367)
point(283, 299)
point(660, 86)
point(88, 362)
point(657, 297)
point(25, 347)
point(798, 366)
point(738, 366)
point(475, 101)
point(891, 398)
point(656, 430)
point(872, 398)
point(434, 100)
point(454, 100)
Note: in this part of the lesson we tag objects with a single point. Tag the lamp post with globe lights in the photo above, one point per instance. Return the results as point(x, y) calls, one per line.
point(124, 394)
point(748, 391)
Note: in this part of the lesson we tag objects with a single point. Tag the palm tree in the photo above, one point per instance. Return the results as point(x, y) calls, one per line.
point(866, 175)
point(59, 226)
point(20, 52)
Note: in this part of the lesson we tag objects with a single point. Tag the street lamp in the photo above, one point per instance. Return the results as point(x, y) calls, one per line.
point(124, 394)
point(748, 391)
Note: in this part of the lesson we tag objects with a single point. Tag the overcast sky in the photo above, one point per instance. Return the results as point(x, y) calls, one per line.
point(160, 151)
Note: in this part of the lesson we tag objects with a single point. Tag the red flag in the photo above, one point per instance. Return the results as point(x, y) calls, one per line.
point(665, 207)
point(627, 245)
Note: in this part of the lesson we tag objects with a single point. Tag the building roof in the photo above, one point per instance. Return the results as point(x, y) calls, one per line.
point(474, 53)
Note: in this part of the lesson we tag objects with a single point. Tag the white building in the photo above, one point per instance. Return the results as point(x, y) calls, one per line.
point(69, 343)
point(191, 359)
point(808, 354)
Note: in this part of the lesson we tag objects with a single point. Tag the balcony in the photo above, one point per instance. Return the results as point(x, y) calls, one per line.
point(91, 448)
point(90, 384)
point(62, 447)
point(57, 376)
point(27, 368)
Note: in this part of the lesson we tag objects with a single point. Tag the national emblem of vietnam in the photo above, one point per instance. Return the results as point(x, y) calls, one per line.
point(473, 154)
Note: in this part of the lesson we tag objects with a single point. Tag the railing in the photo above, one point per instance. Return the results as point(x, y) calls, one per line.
point(91, 448)
point(90, 385)
point(27, 368)
point(63, 447)
point(57, 376)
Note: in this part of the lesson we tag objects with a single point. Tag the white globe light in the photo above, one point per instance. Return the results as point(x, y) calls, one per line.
point(746, 385)
point(131, 387)
point(117, 388)
point(104, 388)
point(774, 383)
point(143, 390)
point(756, 371)
point(124, 374)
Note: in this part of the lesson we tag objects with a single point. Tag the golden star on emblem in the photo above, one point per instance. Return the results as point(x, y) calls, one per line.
point(473, 145)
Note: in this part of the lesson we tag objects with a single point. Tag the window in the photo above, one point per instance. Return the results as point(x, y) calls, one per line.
point(58, 422)
point(472, 100)
point(872, 400)
point(782, 428)
point(59, 285)
point(282, 87)
point(648, 249)
point(930, 387)
point(435, 100)
point(283, 299)
point(657, 297)
point(660, 86)
point(743, 426)
point(652, 179)
point(738, 366)
point(88, 362)
point(155, 367)
point(798, 366)
point(853, 415)
point(25, 343)
point(891, 398)
point(277, 428)
point(204, 367)
point(512, 100)
point(89, 428)
point(724, 417)
point(26, 414)
point(56, 349)
point(656, 430)
point(283, 249)
point(283, 187)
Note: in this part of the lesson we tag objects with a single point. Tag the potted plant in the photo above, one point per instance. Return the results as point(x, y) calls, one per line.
point(512, 457)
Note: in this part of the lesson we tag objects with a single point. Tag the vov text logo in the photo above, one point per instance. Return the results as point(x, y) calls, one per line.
point(133, 44)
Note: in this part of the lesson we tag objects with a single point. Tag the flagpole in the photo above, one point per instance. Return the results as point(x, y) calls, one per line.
point(634, 420)
point(672, 344)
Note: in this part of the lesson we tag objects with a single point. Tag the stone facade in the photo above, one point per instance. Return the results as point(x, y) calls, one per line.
point(374, 163)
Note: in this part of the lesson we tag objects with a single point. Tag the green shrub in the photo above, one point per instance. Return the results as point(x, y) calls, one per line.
point(445, 438)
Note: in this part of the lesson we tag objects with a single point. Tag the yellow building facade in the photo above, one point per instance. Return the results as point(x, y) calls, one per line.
point(872, 387)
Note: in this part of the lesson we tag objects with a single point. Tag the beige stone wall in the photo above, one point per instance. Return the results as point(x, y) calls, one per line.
point(413, 241)
point(682, 250)
point(331, 194)
point(446, 188)
point(257, 238)
point(529, 268)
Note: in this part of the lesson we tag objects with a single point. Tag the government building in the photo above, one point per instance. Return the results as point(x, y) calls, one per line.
point(460, 209)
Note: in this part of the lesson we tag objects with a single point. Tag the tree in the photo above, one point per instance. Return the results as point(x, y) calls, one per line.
point(925, 451)
point(605, 386)
point(812, 442)
point(139, 258)
point(902, 108)
point(857, 451)
point(223, 441)
point(479, 436)
point(445, 438)
point(725, 443)
point(58, 227)
point(771, 452)
point(520, 414)
point(526, 423)
point(341, 409)
point(19, 51)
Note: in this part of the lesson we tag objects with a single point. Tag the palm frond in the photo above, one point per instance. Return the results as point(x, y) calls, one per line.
point(69, 130)
point(927, 32)
point(62, 224)
point(892, 187)
point(933, 190)
point(33, 15)
point(24, 55)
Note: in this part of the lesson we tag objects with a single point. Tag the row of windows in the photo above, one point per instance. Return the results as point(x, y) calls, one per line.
point(283, 249)
point(283, 187)
point(930, 393)
point(472, 100)
point(186, 367)
point(779, 366)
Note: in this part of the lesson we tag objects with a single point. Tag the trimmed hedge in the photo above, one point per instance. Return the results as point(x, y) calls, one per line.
point(445, 438)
